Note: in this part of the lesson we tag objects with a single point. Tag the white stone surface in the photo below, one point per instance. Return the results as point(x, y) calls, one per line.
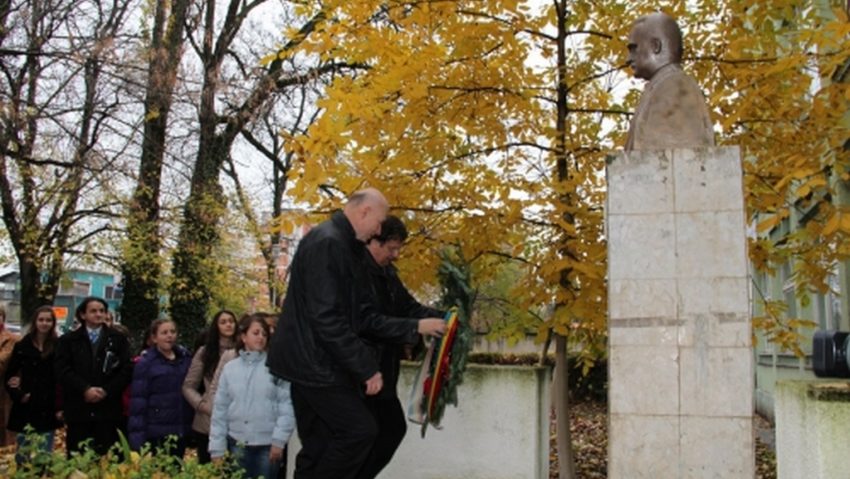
point(646, 244)
point(643, 447)
point(716, 381)
point(715, 310)
point(812, 433)
point(712, 447)
point(643, 336)
point(651, 298)
point(643, 380)
point(725, 330)
point(680, 357)
point(727, 295)
point(500, 429)
point(640, 183)
point(711, 244)
point(708, 180)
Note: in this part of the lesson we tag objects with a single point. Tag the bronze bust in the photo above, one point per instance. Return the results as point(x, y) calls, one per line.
point(672, 112)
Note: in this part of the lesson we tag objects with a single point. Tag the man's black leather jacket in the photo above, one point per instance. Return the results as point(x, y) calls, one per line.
point(326, 314)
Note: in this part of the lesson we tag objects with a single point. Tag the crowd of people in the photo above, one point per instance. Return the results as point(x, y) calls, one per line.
point(163, 397)
point(331, 366)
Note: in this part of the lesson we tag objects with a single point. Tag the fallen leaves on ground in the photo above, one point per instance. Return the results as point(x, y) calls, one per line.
point(589, 429)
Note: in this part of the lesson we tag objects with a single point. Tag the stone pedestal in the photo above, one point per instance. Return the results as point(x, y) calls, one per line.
point(812, 432)
point(680, 358)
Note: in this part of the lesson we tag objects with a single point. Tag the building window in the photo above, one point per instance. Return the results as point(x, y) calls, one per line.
point(76, 288)
point(113, 292)
point(789, 290)
point(833, 300)
point(824, 319)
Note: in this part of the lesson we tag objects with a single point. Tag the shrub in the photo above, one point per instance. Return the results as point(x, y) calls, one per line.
point(119, 463)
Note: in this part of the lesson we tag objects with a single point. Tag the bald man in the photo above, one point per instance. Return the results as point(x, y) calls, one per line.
point(318, 345)
point(672, 112)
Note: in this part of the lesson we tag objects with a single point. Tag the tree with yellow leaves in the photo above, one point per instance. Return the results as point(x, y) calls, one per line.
point(479, 148)
point(780, 79)
point(487, 124)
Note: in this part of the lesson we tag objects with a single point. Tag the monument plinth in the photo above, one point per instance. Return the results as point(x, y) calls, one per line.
point(680, 357)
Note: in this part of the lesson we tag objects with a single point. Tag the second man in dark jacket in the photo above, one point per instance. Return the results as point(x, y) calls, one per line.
point(391, 298)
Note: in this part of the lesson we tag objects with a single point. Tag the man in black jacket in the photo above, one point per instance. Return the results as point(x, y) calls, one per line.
point(93, 366)
point(391, 298)
point(319, 344)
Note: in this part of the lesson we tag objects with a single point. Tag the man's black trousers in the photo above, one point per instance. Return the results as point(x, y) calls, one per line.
point(337, 431)
point(392, 426)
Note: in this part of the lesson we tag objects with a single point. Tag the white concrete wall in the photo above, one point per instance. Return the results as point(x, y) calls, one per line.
point(483, 344)
point(680, 358)
point(813, 429)
point(500, 429)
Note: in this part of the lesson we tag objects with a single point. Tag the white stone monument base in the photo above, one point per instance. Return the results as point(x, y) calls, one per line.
point(499, 430)
point(680, 357)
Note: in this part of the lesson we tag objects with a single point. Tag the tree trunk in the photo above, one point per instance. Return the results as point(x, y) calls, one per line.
point(141, 268)
point(566, 459)
point(564, 440)
point(41, 225)
point(194, 265)
point(279, 177)
point(31, 297)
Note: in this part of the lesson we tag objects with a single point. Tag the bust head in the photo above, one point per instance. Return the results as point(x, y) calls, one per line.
point(655, 41)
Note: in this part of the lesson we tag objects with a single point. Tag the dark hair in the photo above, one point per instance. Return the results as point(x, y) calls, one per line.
point(212, 349)
point(51, 338)
point(81, 309)
point(270, 318)
point(391, 229)
point(245, 324)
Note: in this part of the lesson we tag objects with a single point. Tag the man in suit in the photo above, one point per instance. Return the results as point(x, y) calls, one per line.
point(93, 366)
point(671, 112)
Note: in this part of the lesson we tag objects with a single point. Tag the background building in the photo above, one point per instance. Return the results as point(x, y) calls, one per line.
point(75, 285)
point(830, 311)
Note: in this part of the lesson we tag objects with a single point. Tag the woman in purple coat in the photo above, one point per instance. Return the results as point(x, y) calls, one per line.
point(157, 407)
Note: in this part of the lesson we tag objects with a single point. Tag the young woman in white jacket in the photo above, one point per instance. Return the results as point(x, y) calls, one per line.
point(252, 415)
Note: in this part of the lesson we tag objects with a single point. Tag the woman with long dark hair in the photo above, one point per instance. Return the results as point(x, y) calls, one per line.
point(197, 387)
point(31, 381)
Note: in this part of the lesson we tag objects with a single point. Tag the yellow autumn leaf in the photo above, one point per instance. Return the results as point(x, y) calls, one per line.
point(845, 223)
point(832, 224)
point(268, 59)
point(806, 188)
point(768, 223)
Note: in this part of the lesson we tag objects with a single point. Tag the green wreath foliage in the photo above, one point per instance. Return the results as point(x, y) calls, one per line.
point(459, 294)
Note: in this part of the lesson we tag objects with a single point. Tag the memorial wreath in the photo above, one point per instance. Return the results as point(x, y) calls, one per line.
point(444, 364)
